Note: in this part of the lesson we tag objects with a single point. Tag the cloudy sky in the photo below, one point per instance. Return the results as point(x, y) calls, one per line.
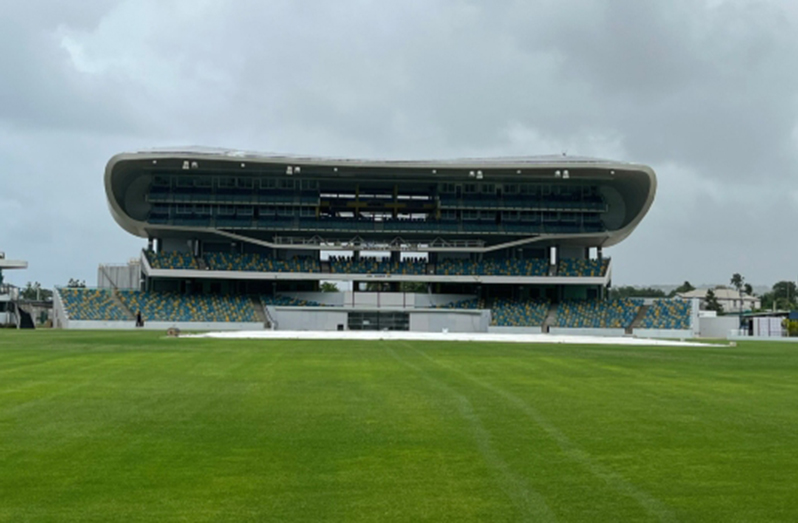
point(703, 91)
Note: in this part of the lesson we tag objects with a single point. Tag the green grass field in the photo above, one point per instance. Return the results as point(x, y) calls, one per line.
point(134, 427)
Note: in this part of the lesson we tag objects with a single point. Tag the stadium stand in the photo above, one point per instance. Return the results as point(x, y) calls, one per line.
point(533, 267)
point(582, 268)
point(610, 314)
point(348, 265)
point(91, 305)
point(172, 260)
point(511, 214)
point(219, 261)
point(668, 314)
point(518, 313)
point(468, 304)
point(169, 306)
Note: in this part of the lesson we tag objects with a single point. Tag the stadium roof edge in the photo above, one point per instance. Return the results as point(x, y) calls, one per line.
point(498, 162)
point(642, 178)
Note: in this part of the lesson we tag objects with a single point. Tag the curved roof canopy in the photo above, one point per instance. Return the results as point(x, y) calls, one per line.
point(626, 189)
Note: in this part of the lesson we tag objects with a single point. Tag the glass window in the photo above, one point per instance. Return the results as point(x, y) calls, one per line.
point(226, 182)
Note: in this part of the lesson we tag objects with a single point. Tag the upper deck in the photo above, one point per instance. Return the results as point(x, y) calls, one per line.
point(283, 200)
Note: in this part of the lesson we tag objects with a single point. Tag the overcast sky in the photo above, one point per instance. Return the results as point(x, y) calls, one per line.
point(705, 93)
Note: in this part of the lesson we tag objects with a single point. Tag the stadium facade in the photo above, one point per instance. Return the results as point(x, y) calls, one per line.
point(469, 244)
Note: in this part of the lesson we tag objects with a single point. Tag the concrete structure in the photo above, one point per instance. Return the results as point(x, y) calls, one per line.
point(731, 300)
point(485, 230)
point(10, 314)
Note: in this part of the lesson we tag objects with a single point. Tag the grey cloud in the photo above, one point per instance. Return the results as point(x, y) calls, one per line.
point(705, 93)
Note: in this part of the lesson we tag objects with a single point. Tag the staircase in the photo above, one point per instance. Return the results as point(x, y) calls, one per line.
point(119, 303)
point(201, 263)
point(551, 318)
point(638, 319)
point(262, 312)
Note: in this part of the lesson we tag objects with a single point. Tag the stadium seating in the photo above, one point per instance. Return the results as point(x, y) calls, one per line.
point(469, 304)
point(173, 307)
point(219, 261)
point(91, 305)
point(668, 314)
point(172, 260)
point(610, 314)
point(582, 268)
point(348, 265)
point(507, 312)
point(532, 267)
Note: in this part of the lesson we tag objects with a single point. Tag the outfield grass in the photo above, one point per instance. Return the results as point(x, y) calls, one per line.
point(133, 427)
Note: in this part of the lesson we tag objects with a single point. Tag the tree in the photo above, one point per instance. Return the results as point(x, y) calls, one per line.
point(786, 290)
point(681, 289)
point(782, 297)
point(328, 286)
point(636, 292)
point(737, 281)
point(748, 289)
point(34, 292)
point(711, 302)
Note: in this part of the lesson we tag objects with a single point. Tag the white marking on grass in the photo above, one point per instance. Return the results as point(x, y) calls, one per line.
point(449, 336)
point(649, 503)
point(527, 500)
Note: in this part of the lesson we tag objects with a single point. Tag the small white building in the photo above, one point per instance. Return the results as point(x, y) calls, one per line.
point(731, 300)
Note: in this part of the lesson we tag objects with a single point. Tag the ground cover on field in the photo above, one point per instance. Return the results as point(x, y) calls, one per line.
point(135, 427)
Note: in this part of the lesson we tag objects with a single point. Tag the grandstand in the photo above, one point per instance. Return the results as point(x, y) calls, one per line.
point(475, 244)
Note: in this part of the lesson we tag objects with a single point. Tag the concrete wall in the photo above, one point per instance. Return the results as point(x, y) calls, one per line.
point(307, 319)
point(379, 300)
point(60, 320)
point(587, 332)
point(315, 319)
point(515, 330)
point(718, 327)
point(163, 325)
point(664, 333)
point(119, 276)
point(451, 321)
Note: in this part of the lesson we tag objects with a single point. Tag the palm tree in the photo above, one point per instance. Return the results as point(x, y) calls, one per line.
point(738, 282)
